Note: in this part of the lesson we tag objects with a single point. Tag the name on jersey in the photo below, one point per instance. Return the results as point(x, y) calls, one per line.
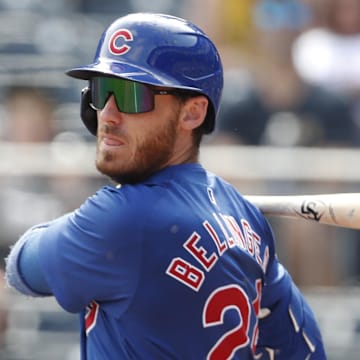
point(231, 234)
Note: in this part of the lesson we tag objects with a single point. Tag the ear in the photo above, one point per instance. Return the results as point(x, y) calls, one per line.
point(194, 112)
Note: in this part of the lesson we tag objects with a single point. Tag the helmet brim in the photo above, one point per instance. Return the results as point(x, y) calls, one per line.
point(126, 71)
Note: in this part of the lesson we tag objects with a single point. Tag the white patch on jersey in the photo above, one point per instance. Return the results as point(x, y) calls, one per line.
point(211, 195)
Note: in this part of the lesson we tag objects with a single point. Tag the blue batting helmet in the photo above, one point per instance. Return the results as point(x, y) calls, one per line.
point(159, 50)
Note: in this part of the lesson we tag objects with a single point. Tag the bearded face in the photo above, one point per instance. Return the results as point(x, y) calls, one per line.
point(131, 147)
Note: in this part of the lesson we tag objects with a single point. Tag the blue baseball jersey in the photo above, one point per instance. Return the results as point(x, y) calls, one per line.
point(179, 266)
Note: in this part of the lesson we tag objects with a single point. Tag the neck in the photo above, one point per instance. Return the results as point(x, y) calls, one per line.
point(184, 152)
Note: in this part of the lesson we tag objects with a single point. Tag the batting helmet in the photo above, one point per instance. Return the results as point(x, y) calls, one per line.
point(159, 50)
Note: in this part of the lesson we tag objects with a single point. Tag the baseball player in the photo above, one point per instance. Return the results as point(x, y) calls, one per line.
point(172, 262)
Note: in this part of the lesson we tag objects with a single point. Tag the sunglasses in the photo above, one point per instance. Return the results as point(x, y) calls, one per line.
point(130, 96)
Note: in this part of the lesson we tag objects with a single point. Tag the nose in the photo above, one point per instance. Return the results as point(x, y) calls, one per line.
point(110, 112)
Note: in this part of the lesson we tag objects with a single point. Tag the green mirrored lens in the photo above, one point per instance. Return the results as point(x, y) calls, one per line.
point(130, 96)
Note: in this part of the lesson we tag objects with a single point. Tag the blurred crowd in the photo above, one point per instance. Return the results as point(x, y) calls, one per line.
point(292, 79)
point(299, 80)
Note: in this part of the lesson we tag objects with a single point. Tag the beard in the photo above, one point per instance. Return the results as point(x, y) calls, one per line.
point(151, 154)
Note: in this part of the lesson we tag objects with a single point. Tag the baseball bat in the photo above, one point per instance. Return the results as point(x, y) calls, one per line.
point(342, 209)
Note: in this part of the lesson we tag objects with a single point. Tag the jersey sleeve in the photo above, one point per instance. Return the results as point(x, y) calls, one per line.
point(287, 325)
point(23, 270)
point(93, 253)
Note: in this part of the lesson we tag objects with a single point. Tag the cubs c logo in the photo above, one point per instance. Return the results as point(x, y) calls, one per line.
point(119, 47)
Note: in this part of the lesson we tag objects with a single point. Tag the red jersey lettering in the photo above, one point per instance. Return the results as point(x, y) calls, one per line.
point(186, 273)
point(199, 253)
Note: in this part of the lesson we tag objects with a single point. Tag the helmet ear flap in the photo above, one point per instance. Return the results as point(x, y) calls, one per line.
point(87, 113)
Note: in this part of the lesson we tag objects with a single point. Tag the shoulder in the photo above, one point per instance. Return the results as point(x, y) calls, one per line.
point(121, 197)
point(239, 204)
point(118, 206)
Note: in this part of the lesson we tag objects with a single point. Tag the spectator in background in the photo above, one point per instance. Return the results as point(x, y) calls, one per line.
point(29, 115)
point(4, 304)
point(27, 119)
point(7, 350)
point(329, 54)
point(275, 106)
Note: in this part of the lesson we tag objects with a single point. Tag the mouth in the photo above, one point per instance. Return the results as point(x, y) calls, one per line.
point(112, 141)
